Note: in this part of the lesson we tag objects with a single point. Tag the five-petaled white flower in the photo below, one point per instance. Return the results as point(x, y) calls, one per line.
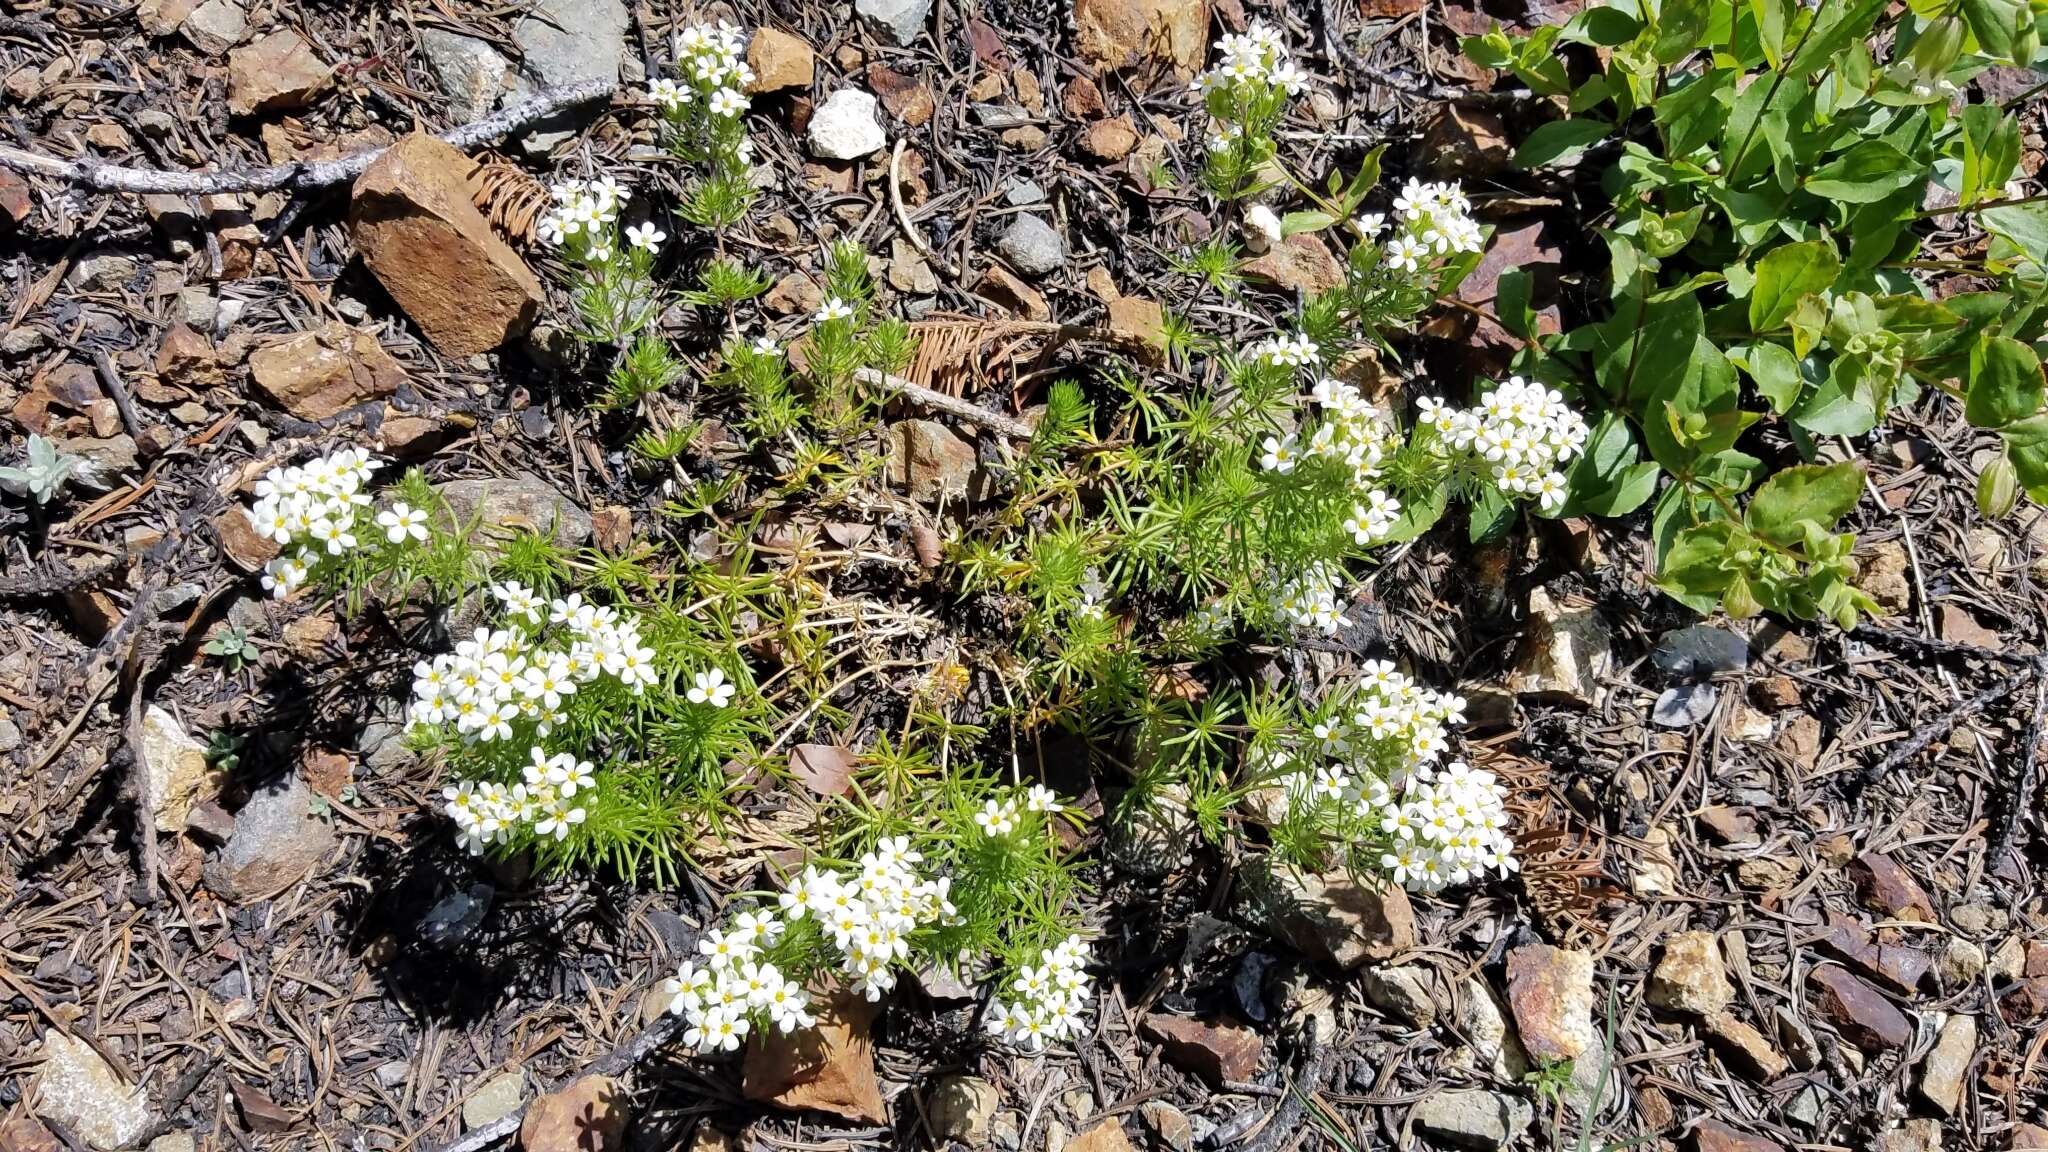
point(402, 520)
point(646, 237)
point(834, 309)
point(711, 688)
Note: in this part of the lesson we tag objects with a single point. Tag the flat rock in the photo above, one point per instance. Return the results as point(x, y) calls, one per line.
point(1002, 287)
point(419, 233)
point(1859, 1011)
point(1115, 34)
point(1336, 917)
point(279, 71)
point(1404, 992)
point(1472, 1118)
point(471, 72)
point(75, 1086)
point(1744, 1048)
point(1887, 887)
point(1483, 1020)
point(1300, 263)
point(1168, 1125)
point(176, 774)
point(277, 840)
point(829, 1068)
point(586, 1115)
point(216, 26)
point(1215, 1050)
point(325, 372)
point(846, 127)
point(1140, 319)
point(1690, 976)
point(1945, 1070)
point(1921, 1135)
point(1107, 1136)
point(1550, 991)
point(779, 60)
point(519, 503)
point(963, 1109)
point(928, 461)
point(1462, 141)
point(1031, 245)
point(1565, 651)
point(1714, 1136)
point(565, 42)
point(897, 21)
point(496, 1099)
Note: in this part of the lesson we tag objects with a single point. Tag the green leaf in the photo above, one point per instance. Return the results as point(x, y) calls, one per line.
point(1770, 28)
point(1842, 405)
point(1787, 273)
point(1865, 174)
point(1991, 150)
point(1697, 569)
point(1606, 26)
point(1607, 480)
point(1491, 514)
point(1559, 139)
point(1418, 515)
point(1295, 222)
point(1511, 303)
point(1827, 41)
point(1492, 50)
point(1693, 113)
point(1776, 372)
point(1993, 23)
point(2024, 226)
point(2005, 382)
point(1681, 24)
point(1820, 493)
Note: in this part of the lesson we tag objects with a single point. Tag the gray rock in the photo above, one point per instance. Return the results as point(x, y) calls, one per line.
point(156, 122)
point(495, 1100)
point(1482, 1018)
point(216, 26)
point(1472, 1118)
point(104, 460)
point(1168, 1125)
point(174, 1142)
point(897, 21)
point(103, 271)
point(457, 916)
point(963, 1108)
point(10, 736)
point(565, 42)
point(846, 127)
point(21, 341)
point(1021, 193)
point(1404, 992)
point(176, 774)
point(392, 1073)
point(471, 72)
point(524, 502)
point(76, 1087)
point(277, 840)
point(195, 309)
point(1943, 1074)
point(1031, 246)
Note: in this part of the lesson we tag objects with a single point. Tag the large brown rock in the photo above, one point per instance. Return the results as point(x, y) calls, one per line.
point(1300, 263)
point(927, 460)
point(1335, 917)
point(1690, 977)
point(419, 233)
point(1125, 33)
point(1860, 1012)
point(829, 1068)
point(1217, 1051)
point(779, 61)
point(325, 372)
point(1714, 1136)
point(587, 1115)
point(1550, 991)
point(277, 72)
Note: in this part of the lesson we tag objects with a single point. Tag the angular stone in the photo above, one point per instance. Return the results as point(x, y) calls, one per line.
point(76, 1087)
point(424, 239)
point(176, 773)
point(1299, 263)
point(1960, 963)
point(779, 61)
point(1566, 650)
point(907, 99)
point(1943, 1072)
point(471, 72)
point(496, 1099)
point(1482, 1019)
point(1894, 965)
point(927, 460)
point(1912, 1136)
point(1107, 1136)
point(1403, 992)
point(846, 127)
point(325, 372)
point(1336, 917)
point(1001, 287)
point(277, 841)
point(240, 543)
point(898, 22)
point(830, 1068)
point(1714, 1136)
point(1745, 1049)
point(1110, 140)
point(1550, 991)
point(1860, 1012)
point(1690, 977)
point(1113, 34)
point(1472, 1118)
point(586, 1115)
point(520, 503)
point(186, 357)
point(216, 26)
point(1217, 1051)
point(2029, 1138)
point(1031, 245)
point(963, 1109)
point(1169, 1125)
point(279, 71)
point(1141, 319)
point(1888, 888)
point(162, 17)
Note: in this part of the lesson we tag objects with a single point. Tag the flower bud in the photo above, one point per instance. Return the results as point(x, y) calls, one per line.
point(1997, 488)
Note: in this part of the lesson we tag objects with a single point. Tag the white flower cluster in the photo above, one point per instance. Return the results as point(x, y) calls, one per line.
point(736, 986)
point(1310, 600)
point(1430, 220)
point(1253, 62)
point(1046, 999)
point(1448, 824)
point(486, 814)
point(583, 216)
point(710, 59)
point(869, 915)
point(314, 506)
point(1523, 432)
point(998, 817)
point(503, 676)
point(1350, 431)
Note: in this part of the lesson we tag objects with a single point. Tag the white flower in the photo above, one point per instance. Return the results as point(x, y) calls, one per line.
point(1280, 454)
point(728, 103)
point(834, 309)
point(1041, 799)
point(765, 346)
point(645, 237)
point(402, 520)
point(711, 688)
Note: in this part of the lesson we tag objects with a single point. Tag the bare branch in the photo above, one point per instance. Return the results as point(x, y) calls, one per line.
point(951, 405)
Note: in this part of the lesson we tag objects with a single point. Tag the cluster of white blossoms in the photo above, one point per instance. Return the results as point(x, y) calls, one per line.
point(711, 61)
point(1349, 431)
point(1449, 826)
point(736, 988)
point(1310, 600)
point(502, 677)
point(869, 915)
point(314, 507)
point(998, 817)
point(583, 218)
point(1430, 221)
point(1252, 62)
point(1046, 999)
point(1521, 433)
point(488, 813)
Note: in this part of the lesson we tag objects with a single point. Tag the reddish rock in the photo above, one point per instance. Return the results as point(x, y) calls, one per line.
point(906, 98)
point(1714, 1136)
point(1216, 1051)
point(1339, 918)
point(928, 461)
point(779, 61)
point(830, 1068)
point(1300, 263)
point(1124, 33)
point(1745, 1049)
point(1888, 888)
point(2028, 999)
point(15, 204)
point(325, 372)
point(1107, 1136)
point(418, 231)
point(1859, 1011)
point(238, 539)
point(1895, 966)
point(186, 357)
point(588, 1115)
point(1110, 140)
point(1550, 991)
point(2029, 1138)
point(1002, 287)
point(1082, 98)
point(277, 72)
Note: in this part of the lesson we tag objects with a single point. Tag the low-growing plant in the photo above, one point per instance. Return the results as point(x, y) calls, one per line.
point(1768, 169)
point(43, 473)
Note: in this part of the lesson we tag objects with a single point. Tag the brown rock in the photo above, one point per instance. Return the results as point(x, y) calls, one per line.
point(1728, 825)
point(1082, 98)
point(830, 1068)
point(1003, 288)
point(1463, 141)
point(779, 61)
point(419, 232)
point(1336, 917)
point(2028, 999)
point(2029, 1138)
point(1107, 1136)
point(311, 638)
point(186, 357)
point(14, 197)
point(1029, 94)
point(1897, 967)
point(1143, 319)
point(1714, 1136)
point(1888, 888)
point(1799, 740)
point(1943, 1072)
point(1745, 1049)
point(907, 99)
point(1912, 1136)
point(1300, 263)
point(611, 528)
point(1566, 649)
point(1123, 33)
point(588, 1115)
point(1690, 977)
point(410, 437)
point(1860, 1012)
point(277, 72)
point(27, 1134)
point(162, 17)
point(927, 460)
point(1216, 1051)
point(325, 372)
point(1775, 692)
point(1026, 137)
point(794, 294)
point(1885, 576)
point(239, 540)
point(1550, 992)
point(1110, 140)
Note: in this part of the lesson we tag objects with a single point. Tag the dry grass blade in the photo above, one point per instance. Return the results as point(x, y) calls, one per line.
point(951, 355)
point(1562, 861)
